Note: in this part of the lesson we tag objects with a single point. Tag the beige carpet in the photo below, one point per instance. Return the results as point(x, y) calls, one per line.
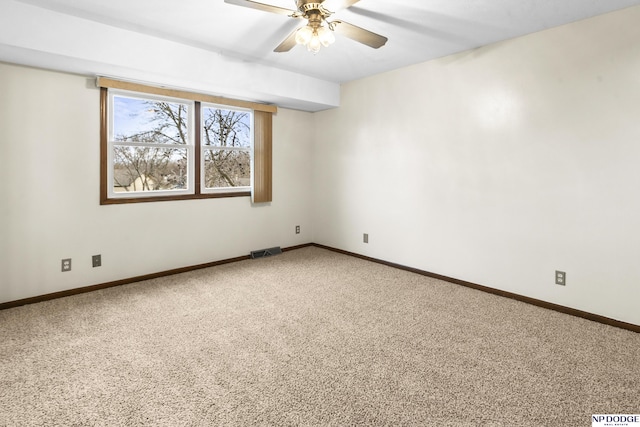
point(310, 337)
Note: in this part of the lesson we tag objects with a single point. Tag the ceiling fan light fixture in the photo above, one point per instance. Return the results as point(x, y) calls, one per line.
point(314, 44)
point(304, 35)
point(314, 37)
point(318, 31)
point(326, 36)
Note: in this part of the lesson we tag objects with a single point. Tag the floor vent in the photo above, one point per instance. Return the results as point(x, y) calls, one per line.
point(266, 252)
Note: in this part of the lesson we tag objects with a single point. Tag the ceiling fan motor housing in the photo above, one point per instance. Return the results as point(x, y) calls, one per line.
point(310, 8)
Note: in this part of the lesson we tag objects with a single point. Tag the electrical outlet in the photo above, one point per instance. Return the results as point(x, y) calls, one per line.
point(66, 264)
point(561, 278)
point(297, 229)
point(365, 238)
point(96, 260)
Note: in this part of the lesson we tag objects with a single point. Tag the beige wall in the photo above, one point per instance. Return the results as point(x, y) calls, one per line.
point(498, 166)
point(49, 183)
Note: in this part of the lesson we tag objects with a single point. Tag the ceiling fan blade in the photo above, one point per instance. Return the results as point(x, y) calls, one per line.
point(261, 6)
point(288, 43)
point(359, 34)
point(337, 5)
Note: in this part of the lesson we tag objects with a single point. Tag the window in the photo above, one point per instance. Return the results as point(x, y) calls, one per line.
point(226, 143)
point(161, 144)
point(151, 147)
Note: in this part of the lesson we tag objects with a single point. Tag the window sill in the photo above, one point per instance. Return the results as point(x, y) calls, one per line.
point(128, 200)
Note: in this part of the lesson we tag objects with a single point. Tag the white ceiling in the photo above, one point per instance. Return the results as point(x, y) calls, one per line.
point(418, 30)
point(214, 47)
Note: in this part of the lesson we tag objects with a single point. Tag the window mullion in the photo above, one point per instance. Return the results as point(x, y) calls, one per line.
point(147, 144)
point(197, 152)
point(222, 148)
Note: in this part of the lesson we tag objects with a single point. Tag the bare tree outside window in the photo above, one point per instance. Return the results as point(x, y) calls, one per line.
point(150, 145)
point(226, 144)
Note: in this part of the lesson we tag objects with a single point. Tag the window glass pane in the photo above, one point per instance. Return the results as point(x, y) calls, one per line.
point(226, 128)
point(227, 168)
point(149, 169)
point(149, 121)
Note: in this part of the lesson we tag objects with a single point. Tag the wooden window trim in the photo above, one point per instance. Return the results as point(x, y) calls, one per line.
point(262, 151)
point(104, 82)
point(262, 155)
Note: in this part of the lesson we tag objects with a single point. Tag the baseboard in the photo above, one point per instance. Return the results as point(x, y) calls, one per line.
point(544, 304)
point(85, 289)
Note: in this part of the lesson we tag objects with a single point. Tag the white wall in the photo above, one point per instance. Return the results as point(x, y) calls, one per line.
point(498, 166)
point(49, 191)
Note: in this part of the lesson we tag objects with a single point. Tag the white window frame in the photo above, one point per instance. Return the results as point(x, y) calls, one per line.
point(204, 148)
point(111, 144)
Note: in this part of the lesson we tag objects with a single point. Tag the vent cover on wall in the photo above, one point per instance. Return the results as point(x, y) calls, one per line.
point(266, 252)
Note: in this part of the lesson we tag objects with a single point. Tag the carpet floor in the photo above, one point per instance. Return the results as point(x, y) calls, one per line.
point(309, 337)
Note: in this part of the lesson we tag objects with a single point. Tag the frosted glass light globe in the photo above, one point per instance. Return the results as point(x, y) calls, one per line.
point(304, 35)
point(314, 44)
point(326, 36)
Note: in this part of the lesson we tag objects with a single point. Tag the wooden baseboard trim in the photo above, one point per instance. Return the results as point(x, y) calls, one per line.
point(85, 289)
point(521, 298)
point(528, 300)
point(293, 248)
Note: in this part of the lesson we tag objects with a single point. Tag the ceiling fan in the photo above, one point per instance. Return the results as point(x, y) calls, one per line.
point(318, 31)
